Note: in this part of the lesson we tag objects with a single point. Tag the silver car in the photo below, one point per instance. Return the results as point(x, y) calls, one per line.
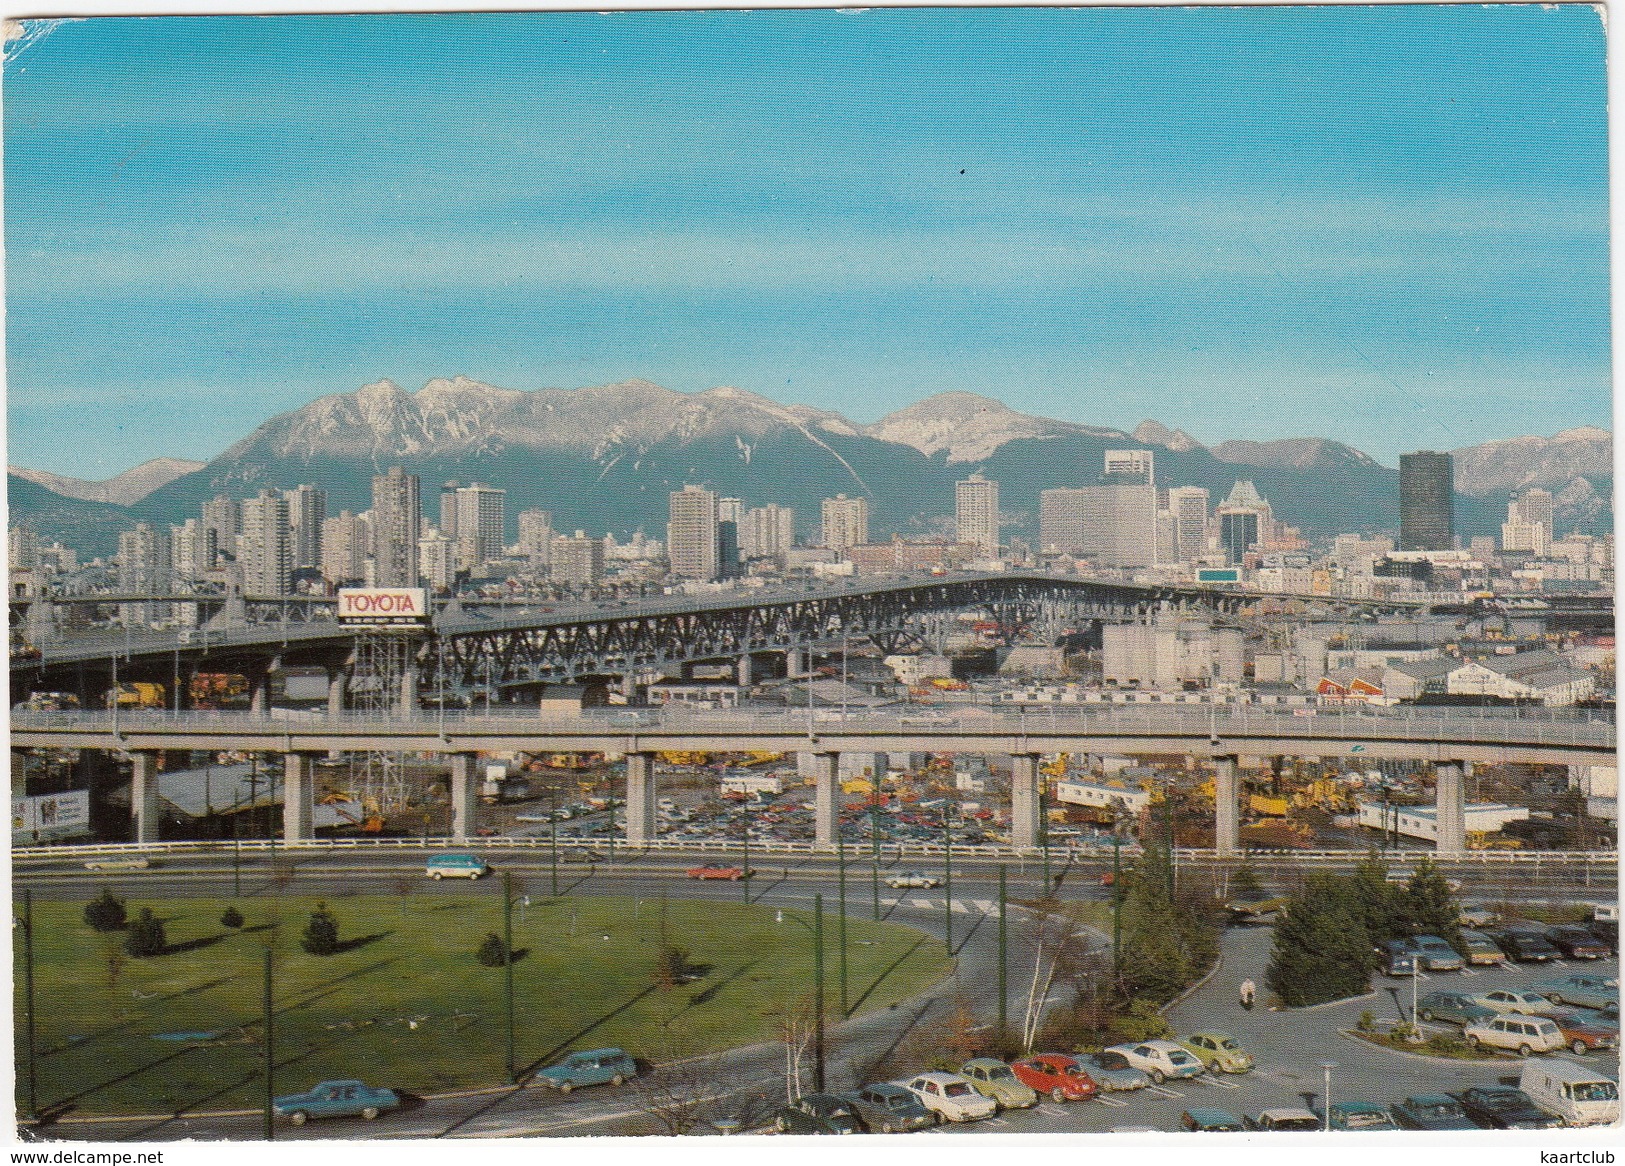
point(1112, 1072)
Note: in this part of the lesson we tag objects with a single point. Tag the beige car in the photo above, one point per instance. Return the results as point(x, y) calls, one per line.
point(1515, 1032)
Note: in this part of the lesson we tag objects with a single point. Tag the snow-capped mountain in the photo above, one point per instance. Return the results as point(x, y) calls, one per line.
point(124, 489)
point(1549, 462)
point(970, 428)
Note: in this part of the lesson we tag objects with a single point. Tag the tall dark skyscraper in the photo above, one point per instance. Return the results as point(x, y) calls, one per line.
point(1426, 502)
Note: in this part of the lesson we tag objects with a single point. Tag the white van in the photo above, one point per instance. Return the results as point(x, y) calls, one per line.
point(1579, 1095)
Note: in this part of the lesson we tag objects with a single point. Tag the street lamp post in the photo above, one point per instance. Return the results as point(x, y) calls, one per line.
point(1043, 833)
point(817, 929)
point(507, 968)
point(553, 831)
point(1117, 903)
point(874, 858)
point(1004, 1019)
point(840, 860)
point(1326, 1092)
point(947, 882)
point(270, 1052)
point(28, 1003)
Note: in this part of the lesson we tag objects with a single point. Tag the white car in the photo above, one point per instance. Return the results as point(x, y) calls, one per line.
point(1512, 1000)
point(951, 1097)
point(1162, 1059)
point(912, 880)
point(1515, 1033)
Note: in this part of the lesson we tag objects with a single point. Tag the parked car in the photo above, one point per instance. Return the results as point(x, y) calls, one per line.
point(1453, 1007)
point(1360, 1115)
point(1208, 1119)
point(1475, 915)
point(593, 1067)
point(1577, 943)
point(1055, 1075)
point(1218, 1052)
point(835, 1113)
point(1525, 946)
point(1522, 1034)
point(890, 1109)
point(1437, 955)
point(998, 1081)
point(337, 1099)
point(719, 870)
point(1112, 1071)
point(1397, 957)
point(912, 880)
point(1588, 991)
point(1159, 1058)
point(1514, 1000)
point(455, 866)
point(1432, 1111)
point(1479, 948)
point(1583, 1033)
point(951, 1097)
point(1285, 1119)
point(1501, 1107)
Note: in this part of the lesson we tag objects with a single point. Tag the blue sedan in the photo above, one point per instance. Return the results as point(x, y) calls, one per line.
point(337, 1099)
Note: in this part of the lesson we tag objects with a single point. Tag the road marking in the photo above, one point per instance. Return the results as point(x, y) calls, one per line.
point(1218, 1084)
point(1051, 1110)
point(986, 906)
point(1164, 1090)
point(956, 905)
point(996, 1121)
point(1104, 1100)
point(1469, 971)
point(922, 904)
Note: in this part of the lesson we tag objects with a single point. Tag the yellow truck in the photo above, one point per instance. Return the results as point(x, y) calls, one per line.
point(137, 695)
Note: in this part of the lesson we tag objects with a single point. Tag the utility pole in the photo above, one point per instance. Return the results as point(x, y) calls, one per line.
point(840, 852)
point(818, 993)
point(1117, 905)
point(270, 1054)
point(507, 966)
point(553, 829)
point(28, 1003)
point(1043, 834)
point(947, 883)
point(1004, 993)
point(874, 857)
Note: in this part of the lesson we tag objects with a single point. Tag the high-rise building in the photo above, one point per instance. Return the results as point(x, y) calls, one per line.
point(473, 517)
point(1530, 516)
point(307, 510)
point(1131, 466)
point(1187, 506)
point(437, 561)
point(1246, 520)
point(144, 561)
point(224, 516)
point(397, 520)
point(578, 561)
point(691, 534)
point(265, 547)
point(845, 522)
point(1060, 521)
point(730, 513)
point(1119, 525)
point(768, 532)
point(346, 547)
point(1426, 502)
point(22, 546)
point(976, 514)
point(192, 550)
point(535, 535)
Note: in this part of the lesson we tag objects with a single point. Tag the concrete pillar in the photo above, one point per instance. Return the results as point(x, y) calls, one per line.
point(796, 662)
point(409, 692)
point(746, 674)
point(640, 798)
point(259, 694)
point(629, 685)
point(1226, 808)
point(1024, 812)
point(465, 798)
point(826, 816)
point(144, 796)
point(298, 798)
point(338, 680)
point(1450, 807)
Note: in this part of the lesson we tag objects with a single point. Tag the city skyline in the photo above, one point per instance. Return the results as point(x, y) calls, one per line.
point(1094, 215)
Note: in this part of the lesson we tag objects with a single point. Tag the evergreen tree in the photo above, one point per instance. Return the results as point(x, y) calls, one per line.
point(1244, 884)
point(493, 952)
point(321, 933)
point(145, 936)
point(1380, 903)
point(1428, 905)
point(1322, 948)
point(231, 918)
point(105, 913)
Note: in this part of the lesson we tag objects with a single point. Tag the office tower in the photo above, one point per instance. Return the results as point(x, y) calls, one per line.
point(473, 517)
point(346, 547)
point(307, 510)
point(767, 532)
point(730, 513)
point(1528, 527)
point(397, 519)
point(976, 514)
point(437, 561)
point(1188, 507)
point(578, 561)
point(1426, 502)
point(265, 547)
point(144, 561)
point(691, 534)
point(845, 522)
point(1060, 521)
point(1119, 525)
point(192, 550)
point(1131, 467)
point(224, 516)
point(1245, 521)
point(22, 547)
point(535, 535)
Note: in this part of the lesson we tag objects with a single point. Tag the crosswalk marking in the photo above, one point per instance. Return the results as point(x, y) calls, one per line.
point(1052, 1111)
point(986, 906)
point(1104, 1100)
point(956, 905)
point(922, 904)
point(1165, 1091)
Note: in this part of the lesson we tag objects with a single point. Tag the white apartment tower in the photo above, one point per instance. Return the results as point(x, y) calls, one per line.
point(767, 532)
point(535, 535)
point(1528, 527)
point(397, 520)
point(845, 522)
point(976, 514)
point(578, 561)
point(192, 549)
point(473, 517)
point(265, 547)
point(346, 547)
point(1187, 508)
point(224, 516)
point(691, 534)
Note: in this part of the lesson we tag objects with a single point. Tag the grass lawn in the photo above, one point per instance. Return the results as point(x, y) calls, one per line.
point(407, 1005)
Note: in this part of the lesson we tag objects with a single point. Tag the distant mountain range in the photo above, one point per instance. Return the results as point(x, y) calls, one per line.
point(604, 458)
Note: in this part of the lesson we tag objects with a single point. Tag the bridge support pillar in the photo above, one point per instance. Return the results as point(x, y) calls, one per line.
point(337, 681)
point(796, 662)
point(298, 798)
point(409, 691)
point(1450, 807)
point(640, 798)
point(144, 796)
point(746, 673)
point(259, 694)
point(1226, 808)
point(826, 817)
point(464, 797)
point(1024, 810)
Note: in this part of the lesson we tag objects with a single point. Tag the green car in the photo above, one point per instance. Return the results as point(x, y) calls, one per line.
point(1218, 1052)
point(997, 1080)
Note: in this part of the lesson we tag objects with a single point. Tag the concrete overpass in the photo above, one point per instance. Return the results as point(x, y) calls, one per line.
point(1450, 739)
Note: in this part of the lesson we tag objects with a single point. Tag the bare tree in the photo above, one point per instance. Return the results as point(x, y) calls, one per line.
point(690, 1096)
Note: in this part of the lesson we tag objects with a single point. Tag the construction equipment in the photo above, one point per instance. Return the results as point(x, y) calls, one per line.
point(137, 695)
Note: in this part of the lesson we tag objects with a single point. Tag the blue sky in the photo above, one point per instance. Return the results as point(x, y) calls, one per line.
point(1386, 226)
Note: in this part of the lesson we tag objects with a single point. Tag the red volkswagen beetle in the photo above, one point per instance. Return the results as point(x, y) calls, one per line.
point(1057, 1075)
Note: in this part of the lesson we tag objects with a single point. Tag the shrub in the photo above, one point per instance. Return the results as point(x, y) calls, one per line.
point(493, 953)
point(1368, 1021)
point(672, 967)
point(145, 937)
point(105, 913)
point(1143, 1022)
point(231, 918)
point(321, 933)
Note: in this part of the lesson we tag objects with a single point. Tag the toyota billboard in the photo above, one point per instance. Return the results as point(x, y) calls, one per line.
point(391, 606)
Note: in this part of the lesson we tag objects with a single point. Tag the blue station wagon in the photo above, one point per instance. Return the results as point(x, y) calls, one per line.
point(337, 1099)
point(455, 866)
point(595, 1067)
